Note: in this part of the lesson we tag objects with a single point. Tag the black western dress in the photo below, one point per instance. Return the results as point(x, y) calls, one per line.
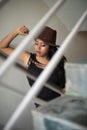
point(57, 79)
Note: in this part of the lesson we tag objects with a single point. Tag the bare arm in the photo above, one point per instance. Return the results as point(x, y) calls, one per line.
point(5, 42)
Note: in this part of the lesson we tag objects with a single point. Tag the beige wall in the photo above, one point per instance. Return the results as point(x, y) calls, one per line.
point(78, 47)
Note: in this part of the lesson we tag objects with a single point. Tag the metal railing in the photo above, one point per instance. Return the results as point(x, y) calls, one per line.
point(49, 68)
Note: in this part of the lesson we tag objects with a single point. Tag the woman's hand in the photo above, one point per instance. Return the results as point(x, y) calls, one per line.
point(22, 30)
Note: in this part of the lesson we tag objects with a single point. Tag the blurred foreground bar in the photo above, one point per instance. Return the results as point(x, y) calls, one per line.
point(64, 113)
point(69, 112)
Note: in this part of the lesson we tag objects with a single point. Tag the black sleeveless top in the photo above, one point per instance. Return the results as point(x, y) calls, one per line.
point(46, 94)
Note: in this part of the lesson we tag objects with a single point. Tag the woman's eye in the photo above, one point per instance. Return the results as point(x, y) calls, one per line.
point(36, 43)
point(43, 45)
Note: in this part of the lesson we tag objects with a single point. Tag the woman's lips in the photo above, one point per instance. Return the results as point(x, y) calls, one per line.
point(38, 52)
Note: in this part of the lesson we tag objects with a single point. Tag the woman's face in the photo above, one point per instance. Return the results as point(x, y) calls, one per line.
point(41, 48)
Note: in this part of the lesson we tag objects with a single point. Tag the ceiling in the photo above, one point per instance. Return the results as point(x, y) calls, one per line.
point(70, 12)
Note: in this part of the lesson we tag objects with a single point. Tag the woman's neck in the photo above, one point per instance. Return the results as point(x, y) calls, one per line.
point(42, 60)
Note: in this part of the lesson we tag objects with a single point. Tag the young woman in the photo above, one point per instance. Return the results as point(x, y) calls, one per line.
point(45, 47)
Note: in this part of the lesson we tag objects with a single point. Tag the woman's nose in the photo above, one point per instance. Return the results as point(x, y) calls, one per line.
point(39, 47)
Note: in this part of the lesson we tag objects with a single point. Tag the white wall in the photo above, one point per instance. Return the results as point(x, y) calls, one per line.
point(70, 12)
point(28, 12)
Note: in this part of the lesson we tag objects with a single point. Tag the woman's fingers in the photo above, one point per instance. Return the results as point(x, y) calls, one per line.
point(23, 30)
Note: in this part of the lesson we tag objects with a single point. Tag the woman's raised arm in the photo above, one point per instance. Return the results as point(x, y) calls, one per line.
point(5, 42)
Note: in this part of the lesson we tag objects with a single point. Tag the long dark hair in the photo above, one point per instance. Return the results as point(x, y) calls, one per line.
point(60, 67)
point(52, 51)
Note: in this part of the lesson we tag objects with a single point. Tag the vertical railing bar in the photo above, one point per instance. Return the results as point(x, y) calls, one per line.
point(45, 74)
point(34, 32)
